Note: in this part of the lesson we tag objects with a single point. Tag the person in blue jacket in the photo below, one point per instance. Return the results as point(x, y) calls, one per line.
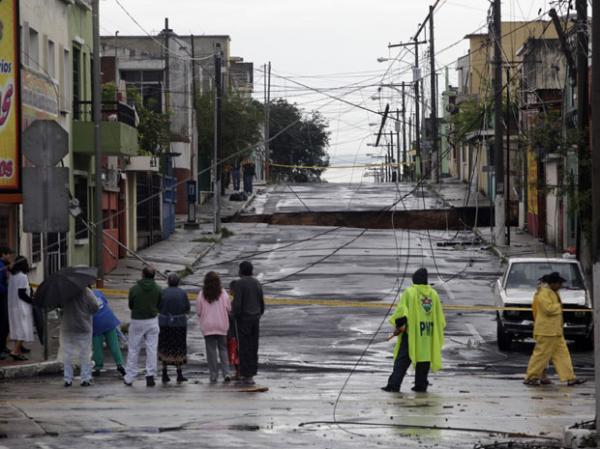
point(105, 329)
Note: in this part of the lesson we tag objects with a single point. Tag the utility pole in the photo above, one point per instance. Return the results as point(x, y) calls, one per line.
point(499, 206)
point(507, 121)
point(596, 202)
point(167, 71)
point(404, 143)
point(435, 152)
point(584, 173)
point(96, 112)
point(398, 154)
point(267, 112)
point(416, 76)
point(217, 142)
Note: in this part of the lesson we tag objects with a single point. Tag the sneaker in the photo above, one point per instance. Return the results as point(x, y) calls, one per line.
point(96, 372)
point(572, 383)
point(25, 350)
point(532, 382)
point(227, 379)
point(165, 379)
point(419, 389)
point(68, 384)
point(150, 381)
point(86, 383)
point(129, 384)
point(121, 370)
point(390, 389)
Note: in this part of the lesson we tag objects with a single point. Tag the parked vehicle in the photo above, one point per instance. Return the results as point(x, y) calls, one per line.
point(516, 289)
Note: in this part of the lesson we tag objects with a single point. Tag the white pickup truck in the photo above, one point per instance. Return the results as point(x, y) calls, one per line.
point(516, 289)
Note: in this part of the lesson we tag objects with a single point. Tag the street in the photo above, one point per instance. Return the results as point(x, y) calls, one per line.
point(324, 364)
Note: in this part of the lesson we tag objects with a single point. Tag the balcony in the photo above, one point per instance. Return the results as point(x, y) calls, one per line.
point(118, 134)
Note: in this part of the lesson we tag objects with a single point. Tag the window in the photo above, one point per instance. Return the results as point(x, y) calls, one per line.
point(65, 80)
point(51, 59)
point(33, 52)
point(149, 85)
point(81, 193)
point(76, 83)
point(527, 275)
point(36, 247)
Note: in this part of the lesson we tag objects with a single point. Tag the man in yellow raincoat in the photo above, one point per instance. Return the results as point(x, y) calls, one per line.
point(419, 323)
point(548, 334)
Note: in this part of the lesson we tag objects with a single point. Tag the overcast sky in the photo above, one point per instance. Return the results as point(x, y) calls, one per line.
point(323, 44)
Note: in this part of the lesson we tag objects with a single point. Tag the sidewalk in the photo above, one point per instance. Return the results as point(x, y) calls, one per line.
point(179, 253)
point(455, 193)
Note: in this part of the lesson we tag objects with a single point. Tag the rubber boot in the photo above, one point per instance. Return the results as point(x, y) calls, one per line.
point(165, 376)
point(180, 377)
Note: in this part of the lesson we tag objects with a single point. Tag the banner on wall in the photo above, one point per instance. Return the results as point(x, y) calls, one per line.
point(10, 101)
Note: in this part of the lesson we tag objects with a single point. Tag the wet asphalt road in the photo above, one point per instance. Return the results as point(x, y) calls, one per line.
point(322, 364)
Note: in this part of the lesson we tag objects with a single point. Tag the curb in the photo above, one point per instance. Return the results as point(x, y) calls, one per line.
point(579, 438)
point(31, 370)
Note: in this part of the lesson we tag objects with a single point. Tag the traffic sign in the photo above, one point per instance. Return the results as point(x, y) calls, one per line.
point(45, 143)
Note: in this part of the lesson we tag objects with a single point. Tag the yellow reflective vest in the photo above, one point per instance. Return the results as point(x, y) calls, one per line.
point(421, 306)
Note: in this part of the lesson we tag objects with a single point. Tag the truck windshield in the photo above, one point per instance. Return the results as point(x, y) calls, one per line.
point(527, 274)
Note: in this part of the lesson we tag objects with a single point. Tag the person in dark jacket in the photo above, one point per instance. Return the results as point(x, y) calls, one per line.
point(236, 175)
point(144, 303)
point(172, 344)
point(247, 308)
point(5, 261)
point(249, 173)
point(105, 325)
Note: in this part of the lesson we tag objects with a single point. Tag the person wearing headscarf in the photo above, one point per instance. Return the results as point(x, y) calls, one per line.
point(172, 320)
point(20, 308)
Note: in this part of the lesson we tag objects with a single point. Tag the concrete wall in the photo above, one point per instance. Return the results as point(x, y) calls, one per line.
point(45, 84)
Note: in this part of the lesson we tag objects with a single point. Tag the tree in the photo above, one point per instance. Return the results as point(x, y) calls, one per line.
point(240, 129)
point(298, 139)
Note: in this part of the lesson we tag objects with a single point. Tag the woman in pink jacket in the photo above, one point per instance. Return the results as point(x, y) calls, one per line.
point(213, 307)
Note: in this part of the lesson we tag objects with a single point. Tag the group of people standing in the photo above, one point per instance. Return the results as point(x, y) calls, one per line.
point(159, 324)
point(239, 172)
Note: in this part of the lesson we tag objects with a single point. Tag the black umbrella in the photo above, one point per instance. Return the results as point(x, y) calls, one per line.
point(64, 285)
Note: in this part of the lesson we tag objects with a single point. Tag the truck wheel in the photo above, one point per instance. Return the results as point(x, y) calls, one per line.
point(504, 338)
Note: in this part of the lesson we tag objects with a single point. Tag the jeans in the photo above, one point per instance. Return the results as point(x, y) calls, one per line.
point(77, 346)
point(236, 179)
point(112, 340)
point(248, 333)
point(142, 333)
point(248, 183)
point(214, 343)
point(401, 365)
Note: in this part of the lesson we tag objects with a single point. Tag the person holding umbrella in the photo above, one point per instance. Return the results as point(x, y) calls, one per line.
point(20, 310)
point(76, 331)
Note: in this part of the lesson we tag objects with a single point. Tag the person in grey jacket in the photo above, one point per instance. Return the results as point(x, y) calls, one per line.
point(76, 332)
point(247, 308)
point(172, 344)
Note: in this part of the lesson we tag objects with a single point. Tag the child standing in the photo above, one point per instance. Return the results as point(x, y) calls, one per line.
point(213, 307)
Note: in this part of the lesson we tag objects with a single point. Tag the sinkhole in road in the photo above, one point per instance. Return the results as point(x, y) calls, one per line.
point(433, 219)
